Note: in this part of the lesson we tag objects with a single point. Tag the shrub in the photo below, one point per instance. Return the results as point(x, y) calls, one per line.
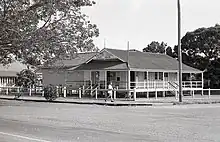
point(50, 93)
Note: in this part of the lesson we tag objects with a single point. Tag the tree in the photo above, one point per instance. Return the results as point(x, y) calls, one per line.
point(38, 31)
point(201, 50)
point(169, 51)
point(156, 47)
point(26, 78)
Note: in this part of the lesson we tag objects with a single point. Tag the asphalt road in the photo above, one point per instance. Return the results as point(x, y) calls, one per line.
point(45, 122)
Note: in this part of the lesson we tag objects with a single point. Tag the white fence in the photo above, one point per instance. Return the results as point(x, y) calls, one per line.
point(95, 93)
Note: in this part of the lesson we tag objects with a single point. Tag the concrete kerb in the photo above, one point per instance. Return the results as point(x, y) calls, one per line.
point(83, 102)
point(117, 103)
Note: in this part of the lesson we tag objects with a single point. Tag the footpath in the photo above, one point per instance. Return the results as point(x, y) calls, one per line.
point(167, 101)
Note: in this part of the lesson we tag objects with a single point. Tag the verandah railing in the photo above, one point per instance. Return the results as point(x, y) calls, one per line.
point(165, 84)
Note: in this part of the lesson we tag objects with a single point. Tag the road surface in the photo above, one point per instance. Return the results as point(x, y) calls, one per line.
point(48, 122)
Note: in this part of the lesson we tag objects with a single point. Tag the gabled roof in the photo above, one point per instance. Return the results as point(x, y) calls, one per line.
point(12, 69)
point(149, 61)
point(79, 59)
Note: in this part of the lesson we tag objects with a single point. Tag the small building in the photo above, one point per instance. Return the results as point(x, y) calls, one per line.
point(8, 73)
point(142, 71)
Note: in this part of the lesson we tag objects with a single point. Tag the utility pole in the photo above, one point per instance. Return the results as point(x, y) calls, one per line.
point(179, 51)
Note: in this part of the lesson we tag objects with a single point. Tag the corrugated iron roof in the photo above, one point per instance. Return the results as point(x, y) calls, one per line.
point(147, 60)
point(79, 59)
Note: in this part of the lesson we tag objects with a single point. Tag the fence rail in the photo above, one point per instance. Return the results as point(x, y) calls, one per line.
point(96, 93)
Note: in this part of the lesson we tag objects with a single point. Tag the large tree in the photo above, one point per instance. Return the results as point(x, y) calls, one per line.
point(156, 47)
point(37, 31)
point(201, 49)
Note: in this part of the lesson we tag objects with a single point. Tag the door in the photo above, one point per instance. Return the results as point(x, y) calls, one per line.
point(95, 77)
point(111, 77)
point(132, 79)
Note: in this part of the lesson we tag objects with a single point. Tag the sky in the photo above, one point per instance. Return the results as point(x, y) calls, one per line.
point(142, 21)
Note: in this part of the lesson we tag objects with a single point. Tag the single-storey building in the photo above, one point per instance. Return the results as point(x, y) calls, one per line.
point(8, 73)
point(142, 71)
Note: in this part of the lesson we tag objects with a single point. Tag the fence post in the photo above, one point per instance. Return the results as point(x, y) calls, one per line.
point(64, 91)
point(156, 95)
point(43, 93)
point(164, 94)
point(209, 95)
point(147, 94)
point(91, 90)
point(30, 91)
point(83, 90)
point(80, 93)
point(57, 91)
point(135, 97)
point(114, 94)
point(96, 93)
point(18, 90)
point(176, 95)
point(202, 92)
point(7, 91)
point(193, 94)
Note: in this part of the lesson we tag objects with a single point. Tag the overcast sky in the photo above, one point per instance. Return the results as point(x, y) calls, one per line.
point(143, 21)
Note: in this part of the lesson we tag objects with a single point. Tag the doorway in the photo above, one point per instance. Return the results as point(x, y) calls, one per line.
point(95, 77)
point(132, 79)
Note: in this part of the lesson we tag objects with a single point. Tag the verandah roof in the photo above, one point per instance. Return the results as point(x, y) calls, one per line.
point(103, 65)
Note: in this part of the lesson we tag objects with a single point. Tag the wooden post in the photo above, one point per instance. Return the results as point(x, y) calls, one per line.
point(30, 91)
point(176, 95)
point(164, 95)
point(147, 94)
point(91, 90)
point(163, 84)
point(83, 90)
point(57, 91)
point(96, 93)
point(18, 91)
point(106, 80)
point(114, 94)
point(7, 90)
point(135, 97)
point(43, 93)
point(80, 93)
point(192, 92)
point(64, 91)
point(156, 95)
point(209, 95)
point(202, 84)
point(147, 80)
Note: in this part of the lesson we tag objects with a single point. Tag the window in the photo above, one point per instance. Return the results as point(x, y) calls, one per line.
point(155, 74)
point(160, 76)
point(145, 75)
point(166, 74)
point(118, 78)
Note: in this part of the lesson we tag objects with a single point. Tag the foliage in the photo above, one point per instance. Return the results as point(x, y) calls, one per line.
point(50, 92)
point(155, 47)
point(37, 31)
point(201, 50)
point(26, 78)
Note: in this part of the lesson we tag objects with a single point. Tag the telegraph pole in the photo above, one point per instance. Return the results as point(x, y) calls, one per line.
point(179, 51)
